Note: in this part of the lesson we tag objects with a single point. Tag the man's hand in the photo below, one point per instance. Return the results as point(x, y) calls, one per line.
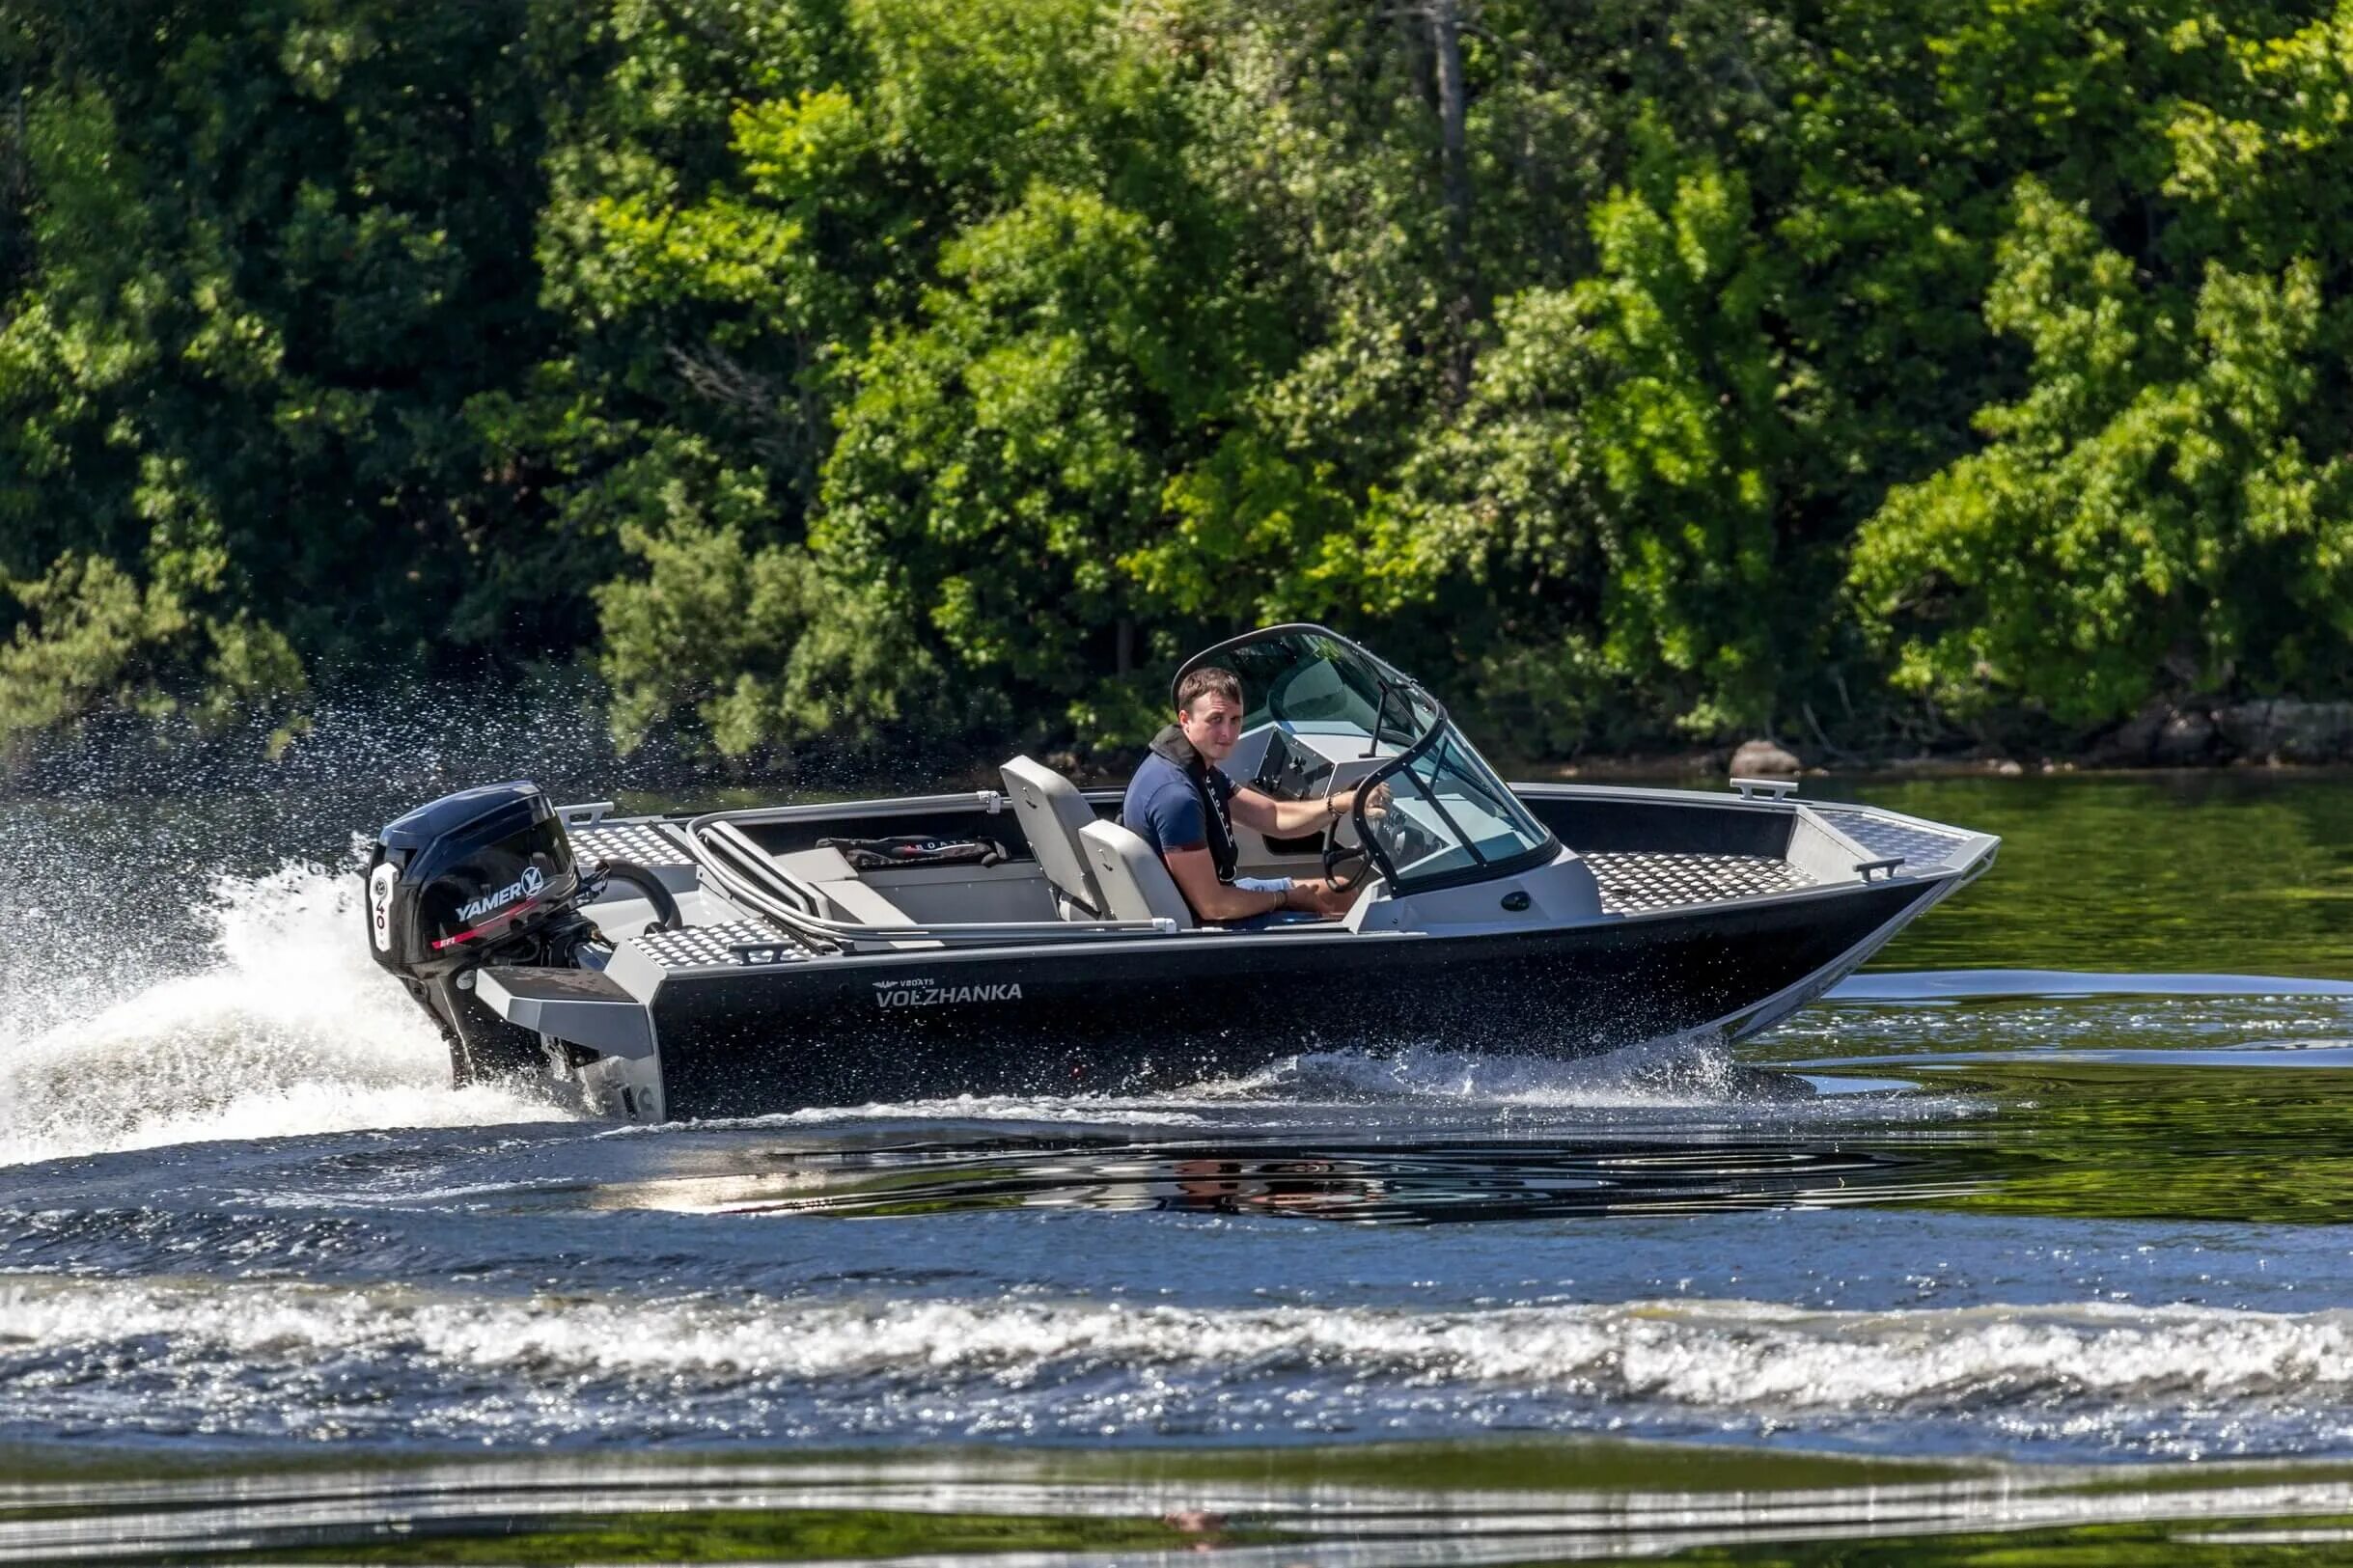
point(1286, 818)
point(1319, 898)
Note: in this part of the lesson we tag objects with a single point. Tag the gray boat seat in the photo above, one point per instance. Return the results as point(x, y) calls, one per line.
point(1132, 878)
point(1052, 813)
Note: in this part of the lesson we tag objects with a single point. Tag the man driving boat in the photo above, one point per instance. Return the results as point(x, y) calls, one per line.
point(1182, 803)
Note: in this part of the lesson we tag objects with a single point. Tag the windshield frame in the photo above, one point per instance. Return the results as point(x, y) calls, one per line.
point(1401, 690)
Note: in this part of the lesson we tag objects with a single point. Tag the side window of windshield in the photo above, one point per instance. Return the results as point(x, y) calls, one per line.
point(1313, 693)
point(1453, 813)
point(1418, 832)
point(1454, 772)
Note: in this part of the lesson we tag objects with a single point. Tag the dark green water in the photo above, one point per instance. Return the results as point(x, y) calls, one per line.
point(2033, 1244)
point(2229, 870)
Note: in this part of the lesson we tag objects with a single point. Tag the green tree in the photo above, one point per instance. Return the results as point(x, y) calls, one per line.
point(268, 253)
point(1617, 478)
point(2143, 515)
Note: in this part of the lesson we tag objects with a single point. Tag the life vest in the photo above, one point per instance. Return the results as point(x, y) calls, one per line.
point(1172, 745)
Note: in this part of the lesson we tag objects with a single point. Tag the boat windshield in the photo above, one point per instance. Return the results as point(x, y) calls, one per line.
point(1313, 682)
point(1449, 819)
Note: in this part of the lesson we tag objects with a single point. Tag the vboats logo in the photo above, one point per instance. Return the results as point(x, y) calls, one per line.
point(527, 886)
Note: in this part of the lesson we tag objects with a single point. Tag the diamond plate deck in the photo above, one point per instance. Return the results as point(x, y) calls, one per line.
point(637, 842)
point(1920, 847)
point(708, 946)
point(1635, 883)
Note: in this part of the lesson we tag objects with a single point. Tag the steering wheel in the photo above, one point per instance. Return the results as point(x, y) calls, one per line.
point(1337, 855)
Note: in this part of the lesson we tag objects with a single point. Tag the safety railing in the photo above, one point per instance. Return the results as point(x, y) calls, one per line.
point(749, 875)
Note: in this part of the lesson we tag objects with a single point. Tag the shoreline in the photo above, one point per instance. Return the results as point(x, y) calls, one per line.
point(457, 732)
point(597, 772)
point(1706, 767)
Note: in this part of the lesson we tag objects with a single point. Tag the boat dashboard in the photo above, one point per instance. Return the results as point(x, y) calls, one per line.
point(1305, 761)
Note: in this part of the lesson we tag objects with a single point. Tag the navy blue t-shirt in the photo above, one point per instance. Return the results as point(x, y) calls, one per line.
point(1163, 809)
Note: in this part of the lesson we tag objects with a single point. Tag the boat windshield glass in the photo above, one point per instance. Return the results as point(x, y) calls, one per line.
point(1450, 815)
point(1315, 683)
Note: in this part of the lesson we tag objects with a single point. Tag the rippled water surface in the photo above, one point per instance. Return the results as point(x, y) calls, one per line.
point(2036, 1237)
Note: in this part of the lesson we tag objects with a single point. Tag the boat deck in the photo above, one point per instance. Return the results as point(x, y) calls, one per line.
point(1920, 845)
point(640, 842)
point(741, 944)
point(1632, 882)
point(1640, 883)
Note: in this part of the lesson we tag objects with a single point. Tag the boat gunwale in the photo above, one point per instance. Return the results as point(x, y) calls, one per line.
point(1971, 856)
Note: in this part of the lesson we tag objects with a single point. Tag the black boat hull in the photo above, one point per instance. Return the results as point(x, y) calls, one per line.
point(1143, 1016)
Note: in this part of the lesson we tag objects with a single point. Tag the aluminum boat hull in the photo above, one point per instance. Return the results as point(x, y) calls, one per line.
point(729, 1033)
point(1136, 1021)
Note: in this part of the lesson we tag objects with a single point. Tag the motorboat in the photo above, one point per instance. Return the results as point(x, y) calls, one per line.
point(1020, 940)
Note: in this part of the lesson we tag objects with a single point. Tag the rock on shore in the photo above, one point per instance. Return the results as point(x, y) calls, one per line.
point(2203, 730)
point(1764, 759)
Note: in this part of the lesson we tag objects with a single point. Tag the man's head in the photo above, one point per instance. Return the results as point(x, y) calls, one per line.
point(1209, 711)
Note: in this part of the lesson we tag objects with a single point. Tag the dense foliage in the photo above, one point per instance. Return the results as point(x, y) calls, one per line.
point(828, 370)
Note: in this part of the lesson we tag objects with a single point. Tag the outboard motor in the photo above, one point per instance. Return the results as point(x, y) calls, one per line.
point(484, 876)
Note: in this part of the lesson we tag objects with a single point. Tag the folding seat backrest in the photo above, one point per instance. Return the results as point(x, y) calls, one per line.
point(1052, 812)
point(1132, 878)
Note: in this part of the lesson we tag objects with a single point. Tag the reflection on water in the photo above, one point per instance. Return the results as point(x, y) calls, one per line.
point(1464, 1503)
point(2186, 1105)
point(2238, 871)
point(1386, 1183)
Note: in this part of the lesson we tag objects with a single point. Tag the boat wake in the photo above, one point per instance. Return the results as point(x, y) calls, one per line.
point(279, 1025)
point(416, 1366)
point(1929, 986)
point(1672, 1072)
point(1676, 1073)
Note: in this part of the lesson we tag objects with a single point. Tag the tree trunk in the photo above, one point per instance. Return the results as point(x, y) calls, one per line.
point(16, 190)
point(1454, 187)
point(13, 169)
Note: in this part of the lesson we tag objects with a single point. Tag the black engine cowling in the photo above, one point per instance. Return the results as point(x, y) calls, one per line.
point(465, 876)
point(484, 876)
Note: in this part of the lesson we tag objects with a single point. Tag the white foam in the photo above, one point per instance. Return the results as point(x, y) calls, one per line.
point(1078, 1109)
point(2027, 1372)
point(1679, 1071)
point(1674, 1073)
point(281, 1025)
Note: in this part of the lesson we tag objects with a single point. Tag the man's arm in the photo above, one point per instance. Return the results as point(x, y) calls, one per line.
point(1290, 818)
point(1196, 874)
